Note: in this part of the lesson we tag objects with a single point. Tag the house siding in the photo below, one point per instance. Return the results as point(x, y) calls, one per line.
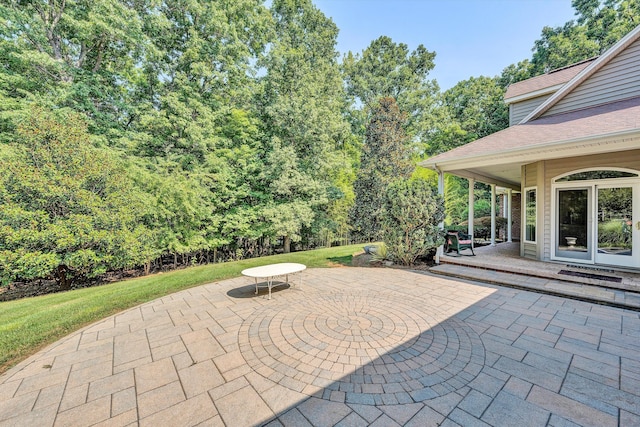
point(553, 168)
point(542, 211)
point(529, 250)
point(617, 80)
point(520, 110)
point(530, 177)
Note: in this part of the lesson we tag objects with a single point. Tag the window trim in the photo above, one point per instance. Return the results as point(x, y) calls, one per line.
point(557, 179)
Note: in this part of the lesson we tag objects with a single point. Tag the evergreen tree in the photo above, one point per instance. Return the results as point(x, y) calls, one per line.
point(385, 158)
point(411, 212)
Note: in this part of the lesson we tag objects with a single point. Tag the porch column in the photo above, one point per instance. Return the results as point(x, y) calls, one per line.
point(493, 214)
point(472, 184)
point(440, 250)
point(509, 200)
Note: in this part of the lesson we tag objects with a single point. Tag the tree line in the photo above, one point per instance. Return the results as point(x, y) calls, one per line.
point(140, 133)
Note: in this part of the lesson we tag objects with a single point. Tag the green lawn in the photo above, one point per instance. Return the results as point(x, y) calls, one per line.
point(29, 324)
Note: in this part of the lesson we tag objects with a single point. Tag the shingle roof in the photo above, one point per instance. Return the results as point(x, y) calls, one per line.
point(553, 78)
point(591, 122)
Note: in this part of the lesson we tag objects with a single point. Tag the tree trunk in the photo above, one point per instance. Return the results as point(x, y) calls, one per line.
point(63, 280)
point(287, 244)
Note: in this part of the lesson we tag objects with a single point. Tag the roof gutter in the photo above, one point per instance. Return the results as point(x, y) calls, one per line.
point(521, 153)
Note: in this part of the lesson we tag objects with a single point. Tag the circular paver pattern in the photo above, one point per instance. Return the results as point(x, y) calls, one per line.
point(369, 348)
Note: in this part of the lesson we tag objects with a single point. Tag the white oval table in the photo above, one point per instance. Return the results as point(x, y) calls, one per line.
point(273, 271)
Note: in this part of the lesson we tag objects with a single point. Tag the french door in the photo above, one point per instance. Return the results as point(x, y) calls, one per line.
point(617, 225)
point(598, 223)
point(574, 223)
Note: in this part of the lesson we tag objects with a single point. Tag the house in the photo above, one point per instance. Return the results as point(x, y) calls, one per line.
point(572, 152)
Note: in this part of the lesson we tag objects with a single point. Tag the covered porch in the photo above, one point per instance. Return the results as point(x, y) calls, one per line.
point(579, 194)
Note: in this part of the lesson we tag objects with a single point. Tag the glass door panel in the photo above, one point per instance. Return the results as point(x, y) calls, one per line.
point(574, 219)
point(616, 229)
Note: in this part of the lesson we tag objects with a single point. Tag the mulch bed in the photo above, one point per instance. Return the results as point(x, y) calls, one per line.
point(19, 290)
point(366, 260)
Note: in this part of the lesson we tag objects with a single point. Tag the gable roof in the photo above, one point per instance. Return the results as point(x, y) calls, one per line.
point(544, 83)
point(583, 75)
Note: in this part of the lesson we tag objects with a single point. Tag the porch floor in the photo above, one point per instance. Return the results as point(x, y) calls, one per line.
point(502, 264)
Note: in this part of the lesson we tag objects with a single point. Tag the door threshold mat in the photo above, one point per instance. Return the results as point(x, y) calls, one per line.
point(591, 276)
point(590, 267)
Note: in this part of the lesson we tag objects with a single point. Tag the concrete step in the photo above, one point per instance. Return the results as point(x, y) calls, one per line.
point(566, 288)
point(551, 270)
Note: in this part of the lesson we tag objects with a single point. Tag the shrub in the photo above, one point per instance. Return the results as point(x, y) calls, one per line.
point(614, 233)
point(411, 211)
point(481, 226)
point(68, 209)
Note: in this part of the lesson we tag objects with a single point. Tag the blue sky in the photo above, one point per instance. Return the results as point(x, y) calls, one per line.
point(470, 37)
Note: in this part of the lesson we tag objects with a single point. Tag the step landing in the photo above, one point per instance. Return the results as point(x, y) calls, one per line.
point(625, 294)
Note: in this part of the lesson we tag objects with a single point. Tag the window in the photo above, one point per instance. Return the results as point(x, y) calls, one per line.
point(530, 215)
point(596, 174)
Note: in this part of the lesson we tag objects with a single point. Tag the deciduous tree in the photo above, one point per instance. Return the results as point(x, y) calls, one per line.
point(302, 106)
point(389, 69)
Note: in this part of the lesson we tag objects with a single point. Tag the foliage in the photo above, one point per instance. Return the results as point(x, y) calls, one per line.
point(456, 191)
point(607, 21)
point(481, 226)
point(562, 46)
point(614, 233)
point(599, 25)
point(515, 73)
point(73, 54)
point(475, 109)
point(411, 213)
point(68, 209)
point(385, 158)
point(470, 110)
point(386, 69)
point(302, 104)
point(481, 208)
point(477, 105)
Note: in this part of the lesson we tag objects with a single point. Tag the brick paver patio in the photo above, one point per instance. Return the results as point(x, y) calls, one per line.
point(350, 347)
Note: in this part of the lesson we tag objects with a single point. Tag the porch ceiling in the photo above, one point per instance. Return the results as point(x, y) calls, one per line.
point(506, 175)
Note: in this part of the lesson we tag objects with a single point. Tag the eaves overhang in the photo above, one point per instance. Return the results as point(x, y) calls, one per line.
point(597, 144)
point(535, 94)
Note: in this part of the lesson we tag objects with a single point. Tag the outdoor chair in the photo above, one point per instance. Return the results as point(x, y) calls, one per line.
point(456, 241)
